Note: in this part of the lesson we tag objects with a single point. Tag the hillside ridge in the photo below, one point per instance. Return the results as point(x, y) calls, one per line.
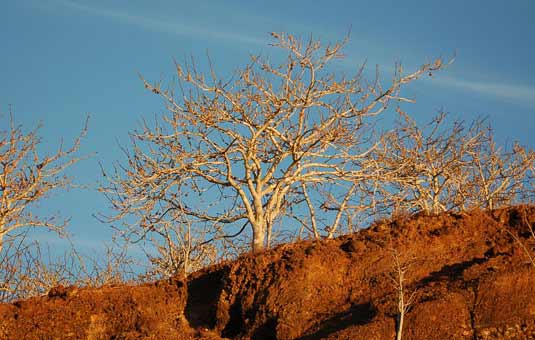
point(470, 275)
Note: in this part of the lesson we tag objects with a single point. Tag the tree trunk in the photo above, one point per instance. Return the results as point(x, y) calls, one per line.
point(258, 238)
point(401, 307)
point(399, 333)
point(1, 239)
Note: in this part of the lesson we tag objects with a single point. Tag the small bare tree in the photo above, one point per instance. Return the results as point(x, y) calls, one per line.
point(258, 149)
point(30, 269)
point(180, 249)
point(400, 268)
point(497, 176)
point(27, 177)
point(442, 167)
point(425, 166)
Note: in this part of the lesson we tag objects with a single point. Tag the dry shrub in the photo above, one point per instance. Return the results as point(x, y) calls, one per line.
point(30, 269)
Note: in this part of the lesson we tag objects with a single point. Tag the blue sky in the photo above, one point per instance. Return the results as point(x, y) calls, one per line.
point(63, 59)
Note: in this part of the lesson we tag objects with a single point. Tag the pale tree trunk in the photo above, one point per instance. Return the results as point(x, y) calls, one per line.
point(2, 224)
point(401, 301)
point(269, 229)
point(259, 236)
point(436, 195)
point(401, 315)
point(436, 204)
point(491, 204)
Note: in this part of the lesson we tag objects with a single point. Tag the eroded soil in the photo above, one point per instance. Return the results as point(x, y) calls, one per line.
point(470, 275)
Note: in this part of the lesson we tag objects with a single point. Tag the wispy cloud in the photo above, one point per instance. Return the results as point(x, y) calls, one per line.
point(519, 93)
point(182, 27)
point(179, 27)
point(511, 92)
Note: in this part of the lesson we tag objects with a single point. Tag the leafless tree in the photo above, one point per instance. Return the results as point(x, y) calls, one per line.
point(30, 269)
point(180, 249)
point(405, 298)
point(499, 177)
point(447, 166)
point(427, 164)
point(259, 149)
point(27, 176)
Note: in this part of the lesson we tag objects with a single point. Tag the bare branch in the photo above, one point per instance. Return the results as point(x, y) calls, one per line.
point(261, 146)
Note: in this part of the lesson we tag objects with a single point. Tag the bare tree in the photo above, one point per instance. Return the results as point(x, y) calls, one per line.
point(180, 249)
point(442, 166)
point(398, 276)
point(499, 177)
point(259, 149)
point(31, 269)
point(27, 177)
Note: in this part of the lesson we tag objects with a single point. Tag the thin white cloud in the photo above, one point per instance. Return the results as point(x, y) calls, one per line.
point(179, 28)
point(518, 93)
point(511, 92)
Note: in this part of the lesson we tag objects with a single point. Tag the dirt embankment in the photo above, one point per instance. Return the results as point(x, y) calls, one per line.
point(470, 274)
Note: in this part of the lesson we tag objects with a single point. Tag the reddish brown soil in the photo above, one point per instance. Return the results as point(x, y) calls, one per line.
point(472, 280)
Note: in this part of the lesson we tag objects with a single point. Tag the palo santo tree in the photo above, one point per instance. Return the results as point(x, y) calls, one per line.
point(497, 176)
point(180, 249)
point(398, 275)
point(27, 177)
point(450, 167)
point(425, 166)
point(258, 149)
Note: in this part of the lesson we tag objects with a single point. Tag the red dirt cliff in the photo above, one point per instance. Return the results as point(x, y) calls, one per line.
point(470, 273)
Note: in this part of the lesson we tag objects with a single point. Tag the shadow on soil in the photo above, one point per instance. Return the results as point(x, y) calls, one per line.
point(357, 315)
point(203, 295)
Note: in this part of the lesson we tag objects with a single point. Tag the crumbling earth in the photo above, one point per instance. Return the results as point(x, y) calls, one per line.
point(470, 274)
